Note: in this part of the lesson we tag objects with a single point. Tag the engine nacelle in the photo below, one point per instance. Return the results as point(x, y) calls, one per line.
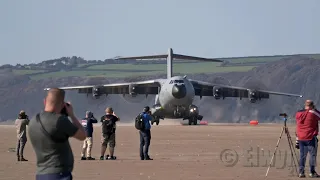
point(133, 90)
point(217, 93)
point(97, 91)
point(253, 96)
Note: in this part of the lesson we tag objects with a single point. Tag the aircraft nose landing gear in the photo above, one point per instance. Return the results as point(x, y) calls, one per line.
point(193, 115)
point(194, 119)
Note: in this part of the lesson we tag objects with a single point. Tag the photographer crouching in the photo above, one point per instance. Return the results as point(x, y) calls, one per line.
point(307, 131)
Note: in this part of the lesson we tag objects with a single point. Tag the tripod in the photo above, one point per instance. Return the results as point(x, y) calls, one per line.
point(291, 146)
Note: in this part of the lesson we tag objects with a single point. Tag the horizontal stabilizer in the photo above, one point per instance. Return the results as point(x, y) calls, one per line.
point(170, 56)
point(145, 57)
point(184, 57)
point(173, 56)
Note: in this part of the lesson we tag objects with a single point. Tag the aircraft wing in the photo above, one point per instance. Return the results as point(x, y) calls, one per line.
point(139, 87)
point(209, 89)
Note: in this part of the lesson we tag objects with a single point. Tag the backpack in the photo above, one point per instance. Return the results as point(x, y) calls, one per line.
point(107, 126)
point(139, 122)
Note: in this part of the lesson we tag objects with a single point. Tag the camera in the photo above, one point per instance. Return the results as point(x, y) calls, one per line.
point(283, 114)
point(297, 144)
point(64, 110)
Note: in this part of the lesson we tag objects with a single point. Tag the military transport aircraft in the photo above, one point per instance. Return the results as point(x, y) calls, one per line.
point(175, 94)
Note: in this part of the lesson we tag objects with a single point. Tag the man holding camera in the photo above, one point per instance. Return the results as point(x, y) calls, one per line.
point(307, 131)
point(87, 123)
point(108, 133)
point(21, 125)
point(49, 133)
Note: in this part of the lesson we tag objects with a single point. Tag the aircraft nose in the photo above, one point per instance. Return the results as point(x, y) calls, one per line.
point(179, 91)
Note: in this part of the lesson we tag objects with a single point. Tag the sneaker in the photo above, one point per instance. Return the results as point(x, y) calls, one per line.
point(23, 159)
point(314, 175)
point(302, 175)
point(148, 158)
point(112, 157)
point(101, 158)
point(90, 158)
point(83, 158)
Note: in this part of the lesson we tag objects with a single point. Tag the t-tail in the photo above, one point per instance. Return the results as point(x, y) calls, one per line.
point(169, 63)
point(170, 57)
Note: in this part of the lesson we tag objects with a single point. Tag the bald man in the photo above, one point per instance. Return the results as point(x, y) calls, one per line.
point(49, 133)
point(307, 131)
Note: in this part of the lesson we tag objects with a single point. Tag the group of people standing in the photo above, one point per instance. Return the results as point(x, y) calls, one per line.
point(108, 134)
point(49, 132)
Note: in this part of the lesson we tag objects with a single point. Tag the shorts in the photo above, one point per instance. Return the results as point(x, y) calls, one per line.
point(109, 139)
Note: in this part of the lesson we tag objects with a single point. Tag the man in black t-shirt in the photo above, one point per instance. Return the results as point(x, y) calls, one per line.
point(108, 133)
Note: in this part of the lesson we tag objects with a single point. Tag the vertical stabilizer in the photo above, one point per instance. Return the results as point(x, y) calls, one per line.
point(169, 63)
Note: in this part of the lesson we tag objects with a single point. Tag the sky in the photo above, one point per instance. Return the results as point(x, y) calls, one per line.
point(32, 31)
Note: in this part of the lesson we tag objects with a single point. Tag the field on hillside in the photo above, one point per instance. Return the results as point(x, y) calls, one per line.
point(236, 64)
point(239, 152)
point(126, 70)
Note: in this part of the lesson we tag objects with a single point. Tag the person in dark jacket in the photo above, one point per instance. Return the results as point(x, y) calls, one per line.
point(307, 131)
point(145, 135)
point(87, 123)
point(109, 121)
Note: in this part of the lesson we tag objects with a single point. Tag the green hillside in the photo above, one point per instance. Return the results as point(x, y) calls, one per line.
point(236, 64)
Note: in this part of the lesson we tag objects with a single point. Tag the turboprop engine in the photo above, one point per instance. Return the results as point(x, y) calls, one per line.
point(97, 91)
point(217, 92)
point(253, 96)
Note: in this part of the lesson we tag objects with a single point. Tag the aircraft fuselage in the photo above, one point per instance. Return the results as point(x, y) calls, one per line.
point(175, 98)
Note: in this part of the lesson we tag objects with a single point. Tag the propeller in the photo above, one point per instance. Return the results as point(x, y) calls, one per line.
point(255, 84)
point(103, 98)
point(215, 110)
point(133, 98)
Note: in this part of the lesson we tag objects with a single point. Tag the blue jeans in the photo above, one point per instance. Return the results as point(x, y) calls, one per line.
point(145, 137)
point(58, 176)
point(310, 146)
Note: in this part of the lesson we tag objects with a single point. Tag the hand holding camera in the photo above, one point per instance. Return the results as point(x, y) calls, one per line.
point(67, 109)
point(297, 144)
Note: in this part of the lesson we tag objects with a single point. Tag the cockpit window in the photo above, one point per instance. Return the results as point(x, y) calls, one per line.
point(178, 81)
